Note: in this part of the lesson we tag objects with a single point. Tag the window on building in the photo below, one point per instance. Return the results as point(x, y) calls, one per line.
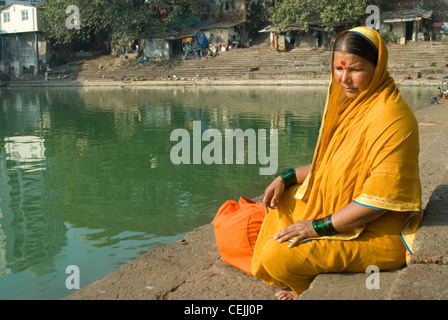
point(6, 17)
point(24, 15)
point(228, 6)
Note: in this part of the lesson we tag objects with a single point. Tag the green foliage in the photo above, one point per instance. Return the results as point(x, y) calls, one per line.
point(389, 36)
point(54, 20)
point(131, 19)
point(125, 19)
point(330, 13)
point(441, 5)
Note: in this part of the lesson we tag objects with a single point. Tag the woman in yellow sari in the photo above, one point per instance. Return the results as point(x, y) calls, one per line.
point(359, 202)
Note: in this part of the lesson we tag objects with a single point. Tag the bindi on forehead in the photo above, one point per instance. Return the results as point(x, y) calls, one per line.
point(343, 58)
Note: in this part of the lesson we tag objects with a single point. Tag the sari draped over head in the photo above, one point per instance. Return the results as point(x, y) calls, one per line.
point(367, 151)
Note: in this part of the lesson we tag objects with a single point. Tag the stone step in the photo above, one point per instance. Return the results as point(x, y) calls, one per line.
point(260, 61)
point(350, 286)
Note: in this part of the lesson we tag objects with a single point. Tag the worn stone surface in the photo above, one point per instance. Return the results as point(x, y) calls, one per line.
point(216, 283)
point(421, 282)
point(433, 130)
point(350, 286)
point(430, 244)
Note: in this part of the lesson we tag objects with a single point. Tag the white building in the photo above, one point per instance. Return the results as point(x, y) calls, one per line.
point(4, 3)
point(23, 46)
point(19, 18)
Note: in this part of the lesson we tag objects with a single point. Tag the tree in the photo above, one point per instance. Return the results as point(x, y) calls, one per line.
point(124, 19)
point(54, 18)
point(330, 13)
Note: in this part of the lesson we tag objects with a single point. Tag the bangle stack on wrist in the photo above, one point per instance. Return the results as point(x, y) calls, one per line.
point(324, 226)
point(289, 177)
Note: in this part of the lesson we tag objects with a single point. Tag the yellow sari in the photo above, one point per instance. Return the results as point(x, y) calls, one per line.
point(367, 153)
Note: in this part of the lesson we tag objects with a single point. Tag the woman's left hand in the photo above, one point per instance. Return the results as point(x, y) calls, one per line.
point(300, 230)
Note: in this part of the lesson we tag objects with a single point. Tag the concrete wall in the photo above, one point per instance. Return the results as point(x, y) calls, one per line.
point(155, 49)
point(19, 52)
point(440, 35)
point(399, 29)
point(229, 10)
point(234, 8)
point(225, 35)
point(306, 40)
point(215, 36)
point(310, 39)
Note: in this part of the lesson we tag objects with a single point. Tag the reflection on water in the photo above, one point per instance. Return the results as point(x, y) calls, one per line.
point(24, 162)
point(25, 152)
point(86, 177)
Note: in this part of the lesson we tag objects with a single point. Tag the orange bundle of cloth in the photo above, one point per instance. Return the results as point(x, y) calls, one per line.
point(236, 227)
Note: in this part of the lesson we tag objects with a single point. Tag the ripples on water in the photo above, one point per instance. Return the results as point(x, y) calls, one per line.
point(86, 177)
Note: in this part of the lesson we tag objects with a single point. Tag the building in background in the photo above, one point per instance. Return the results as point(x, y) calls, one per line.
point(408, 25)
point(225, 28)
point(23, 46)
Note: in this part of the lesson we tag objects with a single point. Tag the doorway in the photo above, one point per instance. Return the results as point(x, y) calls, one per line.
point(409, 30)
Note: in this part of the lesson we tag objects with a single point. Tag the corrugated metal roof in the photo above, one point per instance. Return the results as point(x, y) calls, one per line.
point(273, 28)
point(405, 15)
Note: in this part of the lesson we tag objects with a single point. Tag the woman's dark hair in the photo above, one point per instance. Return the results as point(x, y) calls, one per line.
point(354, 43)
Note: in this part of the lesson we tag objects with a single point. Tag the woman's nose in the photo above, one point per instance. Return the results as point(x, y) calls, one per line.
point(345, 76)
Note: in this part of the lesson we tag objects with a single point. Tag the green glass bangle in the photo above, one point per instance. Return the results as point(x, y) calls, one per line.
point(289, 177)
point(317, 225)
point(329, 225)
point(324, 226)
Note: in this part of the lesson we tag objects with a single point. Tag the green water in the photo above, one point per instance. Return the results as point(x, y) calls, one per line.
point(86, 176)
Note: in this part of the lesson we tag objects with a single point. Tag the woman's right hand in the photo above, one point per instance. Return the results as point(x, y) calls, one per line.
point(273, 193)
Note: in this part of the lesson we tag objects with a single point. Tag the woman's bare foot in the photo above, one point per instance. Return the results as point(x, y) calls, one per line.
point(286, 294)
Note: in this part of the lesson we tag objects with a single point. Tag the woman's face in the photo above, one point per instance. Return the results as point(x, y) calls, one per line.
point(352, 73)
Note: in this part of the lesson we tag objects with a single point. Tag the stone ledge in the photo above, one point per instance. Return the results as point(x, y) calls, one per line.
point(349, 286)
point(430, 244)
point(421, 282)
point(155, 274)
point(223, 282)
